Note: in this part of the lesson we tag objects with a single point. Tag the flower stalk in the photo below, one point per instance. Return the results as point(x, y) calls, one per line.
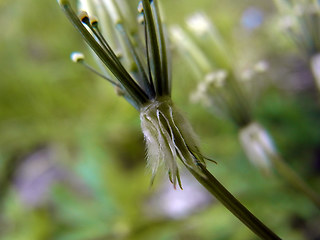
point(232, 204)
point(147, 86)
point(294, 179)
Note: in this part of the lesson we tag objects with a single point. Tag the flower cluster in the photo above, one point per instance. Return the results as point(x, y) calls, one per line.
point(225, 91)
point(300, 20)
point(138, 63)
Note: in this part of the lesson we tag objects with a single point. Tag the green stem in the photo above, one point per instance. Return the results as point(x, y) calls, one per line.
point(232, 204)
point(294, 179)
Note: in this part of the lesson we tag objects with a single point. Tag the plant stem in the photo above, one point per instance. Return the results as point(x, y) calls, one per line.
point(294, 179)
point(232, 204)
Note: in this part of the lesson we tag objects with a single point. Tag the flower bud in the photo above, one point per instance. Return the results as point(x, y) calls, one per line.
point(258, 146)
point(315, 67)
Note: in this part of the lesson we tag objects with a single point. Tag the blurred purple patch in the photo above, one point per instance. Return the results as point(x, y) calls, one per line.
point(177, 204)
point(36, 175)
point(252, 18)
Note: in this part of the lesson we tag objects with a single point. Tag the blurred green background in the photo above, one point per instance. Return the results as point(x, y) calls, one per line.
point(72, 158)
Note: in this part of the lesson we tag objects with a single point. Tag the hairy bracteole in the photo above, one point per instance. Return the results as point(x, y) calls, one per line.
point(169, 135)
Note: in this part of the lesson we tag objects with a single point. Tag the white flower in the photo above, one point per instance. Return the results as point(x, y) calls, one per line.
point(216, 79)
point(287, 22)
point(315, 67)
point(200, 95)
point(77, 57)
point(247, 74)
point(199, 23)
point(258, 146)
point(261, 66)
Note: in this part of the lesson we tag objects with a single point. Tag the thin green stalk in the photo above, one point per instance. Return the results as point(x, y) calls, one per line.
point(294, 179)
point(232, 204)
point(107, 56)
point(162, 47)
point(154, 46)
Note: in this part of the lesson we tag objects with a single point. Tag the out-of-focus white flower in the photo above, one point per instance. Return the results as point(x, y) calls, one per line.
point(216, 79)
point(287, 22)
point(77, 57)
point(200, 94)
point(212, 80)
point(188, 48)
point(247, 74)
point(261, 66)
point(251, 72)
point(258, 146)
point(204, 30)
point(177, 34)
point(199, 23)
point(315, 67)
point(300, 21)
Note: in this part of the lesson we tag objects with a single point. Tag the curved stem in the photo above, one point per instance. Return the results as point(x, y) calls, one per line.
point(294, 179)
point(232, 204)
